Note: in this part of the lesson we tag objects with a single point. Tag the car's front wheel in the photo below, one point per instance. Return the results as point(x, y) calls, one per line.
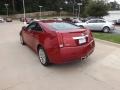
point(43, 57)
point(106, 29)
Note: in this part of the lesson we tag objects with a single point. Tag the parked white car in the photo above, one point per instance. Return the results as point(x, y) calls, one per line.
point(58, 18)
point(97, 25)
point(1, 20)
point(76, 20)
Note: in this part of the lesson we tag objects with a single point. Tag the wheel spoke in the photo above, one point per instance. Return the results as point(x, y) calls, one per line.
point(42, 56)
point(106, 29)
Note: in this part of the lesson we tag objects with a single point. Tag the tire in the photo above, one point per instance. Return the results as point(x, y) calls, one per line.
point(82, 27)
point(21, 40)
point(43, 57)
point(106, 29)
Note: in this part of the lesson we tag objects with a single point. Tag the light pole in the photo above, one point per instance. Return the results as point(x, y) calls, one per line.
point(79, 4)
point(60, 11)
point(6, 5)
point(40, 11)
point(76, 11)
point(73, 5)
point(13, 5)
point(74, 2)
point(24, 11)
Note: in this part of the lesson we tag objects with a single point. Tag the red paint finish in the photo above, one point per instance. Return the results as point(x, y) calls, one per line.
point(61, 46)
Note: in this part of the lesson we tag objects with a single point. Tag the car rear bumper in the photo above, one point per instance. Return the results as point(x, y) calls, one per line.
point(112, 28)
point(70, 54)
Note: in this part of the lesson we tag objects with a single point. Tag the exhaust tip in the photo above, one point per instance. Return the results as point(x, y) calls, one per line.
point(84, 58)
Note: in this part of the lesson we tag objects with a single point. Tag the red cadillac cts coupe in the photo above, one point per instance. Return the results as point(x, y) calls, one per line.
point(57, 42)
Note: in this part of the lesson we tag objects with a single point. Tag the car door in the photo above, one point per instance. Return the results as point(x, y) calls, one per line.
point(28, 34)
point(39, 36)
point(100, 24)
point(91, 24)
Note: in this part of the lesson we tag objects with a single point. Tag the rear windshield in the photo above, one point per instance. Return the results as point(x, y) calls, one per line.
point(62, 26)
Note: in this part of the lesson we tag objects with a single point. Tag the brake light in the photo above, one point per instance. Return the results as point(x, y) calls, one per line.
point(88, 35)
point(60, 40)
point(61, 45)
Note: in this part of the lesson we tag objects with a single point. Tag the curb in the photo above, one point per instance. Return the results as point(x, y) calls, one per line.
point(108, 42)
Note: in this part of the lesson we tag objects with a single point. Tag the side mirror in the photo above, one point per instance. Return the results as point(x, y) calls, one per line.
point(24, 28)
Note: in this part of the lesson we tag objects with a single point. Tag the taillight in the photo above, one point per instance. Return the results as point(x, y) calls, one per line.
point(60, 40)
point(89, 35)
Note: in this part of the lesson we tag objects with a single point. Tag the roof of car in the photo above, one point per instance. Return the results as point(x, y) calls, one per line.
point(96, 19)
point(50, 21)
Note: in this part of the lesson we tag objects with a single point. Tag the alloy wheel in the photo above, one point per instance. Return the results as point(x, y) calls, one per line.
point(106, 29)
point(42, 57)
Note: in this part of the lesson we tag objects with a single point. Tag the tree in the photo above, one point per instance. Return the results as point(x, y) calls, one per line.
point(97, 9)
point(114, 5)
point(15, 6)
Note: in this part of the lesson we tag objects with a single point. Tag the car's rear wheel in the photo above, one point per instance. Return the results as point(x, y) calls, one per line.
point(21, 40)
point(106, 29)
point(82, 27)
point(43, 57)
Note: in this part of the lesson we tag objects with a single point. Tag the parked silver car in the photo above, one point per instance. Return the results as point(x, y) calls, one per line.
point(76, 20)
point(98, 25)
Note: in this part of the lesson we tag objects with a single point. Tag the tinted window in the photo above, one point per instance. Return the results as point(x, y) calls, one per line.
point(38, 27)
point(100, 21)
point(92, 21)
point(62, 26)
point(34, 26)
point(31, 26)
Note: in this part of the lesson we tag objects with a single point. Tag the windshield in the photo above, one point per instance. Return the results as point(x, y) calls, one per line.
point(62, 26)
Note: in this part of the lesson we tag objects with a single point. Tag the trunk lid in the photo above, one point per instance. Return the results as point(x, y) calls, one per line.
point(74, 38)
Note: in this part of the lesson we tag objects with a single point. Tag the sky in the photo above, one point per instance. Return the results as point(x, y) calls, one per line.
point(115, 0)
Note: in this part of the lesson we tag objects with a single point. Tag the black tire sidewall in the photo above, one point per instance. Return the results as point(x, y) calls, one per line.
point(107, 29)
point(47, 60)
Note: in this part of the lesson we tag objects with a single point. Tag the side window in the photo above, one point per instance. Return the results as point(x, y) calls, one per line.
point(38, 27)
point(31, 26)
point(92, 21)
point(101, 21)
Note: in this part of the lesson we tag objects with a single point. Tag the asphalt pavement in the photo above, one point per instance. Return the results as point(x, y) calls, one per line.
point(20, 68)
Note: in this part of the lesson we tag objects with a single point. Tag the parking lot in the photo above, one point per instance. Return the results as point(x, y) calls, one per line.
point(20, 68)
